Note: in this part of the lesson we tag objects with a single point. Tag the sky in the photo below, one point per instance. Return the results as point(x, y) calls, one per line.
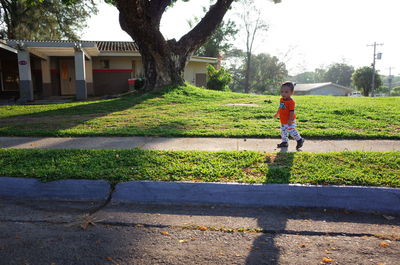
point(313, 33)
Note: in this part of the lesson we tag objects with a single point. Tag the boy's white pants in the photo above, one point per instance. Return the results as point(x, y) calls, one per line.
point(291, 129)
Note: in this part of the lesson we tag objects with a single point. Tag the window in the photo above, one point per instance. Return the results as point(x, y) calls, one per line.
point(10, 82)
point(105, 64)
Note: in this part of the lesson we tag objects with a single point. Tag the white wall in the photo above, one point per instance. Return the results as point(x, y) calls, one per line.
point(193, 68)
point(89, 71)
point(117, 62)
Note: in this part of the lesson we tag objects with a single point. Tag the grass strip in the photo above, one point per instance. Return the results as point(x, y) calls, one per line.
point(196, 112)
point(342, 168)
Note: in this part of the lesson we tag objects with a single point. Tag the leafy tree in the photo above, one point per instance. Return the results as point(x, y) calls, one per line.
point(339, 73)
point(317, 76)
point(235, 61)
point(266, 72)
point(44, 19)
point(395, 91)
point(252, 25)
point(218, 79)
point(219, 42)
point(304, 78)
point(382, 90)
point(362, 79)
point(395, 80)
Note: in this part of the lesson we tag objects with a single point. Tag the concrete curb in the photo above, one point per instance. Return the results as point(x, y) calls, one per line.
point(369, 199)
point(61, 190)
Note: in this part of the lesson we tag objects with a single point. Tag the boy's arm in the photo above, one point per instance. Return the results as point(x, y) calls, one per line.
point(277, 113)
point(291, 117)
point(291, 112)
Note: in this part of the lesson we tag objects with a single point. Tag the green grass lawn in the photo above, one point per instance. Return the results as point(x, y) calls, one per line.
point(191, 111)
point(344, 168)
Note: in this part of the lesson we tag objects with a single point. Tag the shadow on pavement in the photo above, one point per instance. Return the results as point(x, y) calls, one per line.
point(134, 233)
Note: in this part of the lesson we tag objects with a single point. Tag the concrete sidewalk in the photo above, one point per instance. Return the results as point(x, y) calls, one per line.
point(201, 144)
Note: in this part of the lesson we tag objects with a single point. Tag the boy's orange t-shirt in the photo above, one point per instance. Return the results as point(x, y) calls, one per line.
point(285, 107)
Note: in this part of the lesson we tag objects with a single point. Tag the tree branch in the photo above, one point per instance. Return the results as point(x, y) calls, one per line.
point(157, 8)
point(204, 29)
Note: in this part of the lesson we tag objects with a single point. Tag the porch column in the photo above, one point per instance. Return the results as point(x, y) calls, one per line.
point(80, 74)
point(25, 76)
point(89, 77)
point(46, 77)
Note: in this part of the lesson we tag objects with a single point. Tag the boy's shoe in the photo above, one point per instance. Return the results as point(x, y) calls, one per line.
point(299, 143)
point(283, 144)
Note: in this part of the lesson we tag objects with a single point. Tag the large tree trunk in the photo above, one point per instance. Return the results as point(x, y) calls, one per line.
point(164, 61)
point(162, 70)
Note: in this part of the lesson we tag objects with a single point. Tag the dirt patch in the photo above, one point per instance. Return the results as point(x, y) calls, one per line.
point(249, 171)
point(394, 128)
point(243, 105)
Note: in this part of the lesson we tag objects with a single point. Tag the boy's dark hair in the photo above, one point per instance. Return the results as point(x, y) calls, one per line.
point(289, 85)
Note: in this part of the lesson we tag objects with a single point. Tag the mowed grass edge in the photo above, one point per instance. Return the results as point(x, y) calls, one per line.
point(342, 168)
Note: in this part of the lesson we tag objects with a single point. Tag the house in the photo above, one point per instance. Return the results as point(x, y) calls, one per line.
point(46, 69)
point(328, 88)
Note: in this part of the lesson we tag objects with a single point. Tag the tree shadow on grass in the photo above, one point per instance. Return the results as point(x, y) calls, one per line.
point(53, 122)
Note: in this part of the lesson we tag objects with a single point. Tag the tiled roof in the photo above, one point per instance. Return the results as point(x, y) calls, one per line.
point(117, 46)
point(103, 46)
point(54, 41)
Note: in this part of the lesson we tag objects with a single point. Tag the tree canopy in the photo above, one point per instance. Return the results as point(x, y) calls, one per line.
point(45, 19)
point(219, 42)
point(362, 79)
point(339, 73)
point(317, 76)
point(266, 72)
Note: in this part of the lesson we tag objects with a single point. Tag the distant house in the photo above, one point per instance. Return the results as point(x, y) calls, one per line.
point(42, 69)
point(322, 89)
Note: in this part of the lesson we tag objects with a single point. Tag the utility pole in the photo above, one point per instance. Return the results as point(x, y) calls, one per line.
point(373, 65)
point(390, 79)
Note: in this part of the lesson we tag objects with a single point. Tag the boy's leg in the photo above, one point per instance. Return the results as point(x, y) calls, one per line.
point(293, 132)
point(284, 133)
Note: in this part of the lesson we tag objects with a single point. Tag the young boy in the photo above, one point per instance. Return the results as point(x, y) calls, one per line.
point(287, 116)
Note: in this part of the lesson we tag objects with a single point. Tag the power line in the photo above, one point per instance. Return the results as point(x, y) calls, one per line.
point(390, 78)
point(373, 65)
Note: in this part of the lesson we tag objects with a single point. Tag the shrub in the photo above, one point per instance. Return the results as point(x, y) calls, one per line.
point(395, 91)
point(218, 79)
point(139, 84)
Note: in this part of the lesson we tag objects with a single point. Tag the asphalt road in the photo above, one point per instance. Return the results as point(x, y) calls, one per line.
point(49, 232)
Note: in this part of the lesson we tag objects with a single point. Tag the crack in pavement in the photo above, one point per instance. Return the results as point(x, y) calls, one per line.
point(105, 203)
point(214, 229)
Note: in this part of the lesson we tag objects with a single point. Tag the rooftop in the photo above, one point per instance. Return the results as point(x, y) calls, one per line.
point(91, 48)
point(103, 46)
point(308, 87)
